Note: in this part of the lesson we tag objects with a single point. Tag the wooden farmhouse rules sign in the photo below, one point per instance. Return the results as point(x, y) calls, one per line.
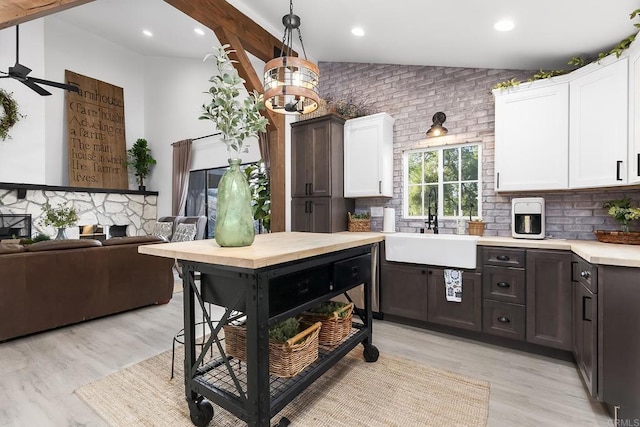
point(97, 144)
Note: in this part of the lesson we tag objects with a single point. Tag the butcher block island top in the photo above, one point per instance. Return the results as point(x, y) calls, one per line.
point(266, 250)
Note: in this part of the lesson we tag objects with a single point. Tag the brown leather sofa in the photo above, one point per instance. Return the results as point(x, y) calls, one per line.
point(55, 283)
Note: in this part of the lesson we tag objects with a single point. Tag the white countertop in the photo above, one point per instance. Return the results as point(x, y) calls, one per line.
point(590, 250)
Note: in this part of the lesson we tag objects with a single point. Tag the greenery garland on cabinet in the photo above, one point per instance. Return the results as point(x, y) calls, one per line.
point(577, 62)
point(9, 114)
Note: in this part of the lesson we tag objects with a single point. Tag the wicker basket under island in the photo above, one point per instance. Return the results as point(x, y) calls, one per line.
point(286, 359)
point(335, 326)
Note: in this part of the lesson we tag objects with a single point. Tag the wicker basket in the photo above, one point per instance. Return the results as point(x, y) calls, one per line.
point(358, 224)
point(476, 228)
point(286, 359)
point(623, 237)
point(334, 328)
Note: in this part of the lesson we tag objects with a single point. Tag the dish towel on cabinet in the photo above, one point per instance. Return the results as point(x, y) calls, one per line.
point(453, 284)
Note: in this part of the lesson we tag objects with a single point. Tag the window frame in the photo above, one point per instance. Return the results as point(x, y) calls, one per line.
point(439, 149)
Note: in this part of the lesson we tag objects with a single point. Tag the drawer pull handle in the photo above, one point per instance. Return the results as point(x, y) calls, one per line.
point(503, 285)
point(355, 271)
point(503, 257)
point(503, 319)
point(303, 287)
point(585, 274)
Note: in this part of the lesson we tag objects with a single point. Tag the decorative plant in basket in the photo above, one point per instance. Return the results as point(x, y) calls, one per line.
point(624, 214)
point(293, 345)
point(359, 221)
point(336, 321)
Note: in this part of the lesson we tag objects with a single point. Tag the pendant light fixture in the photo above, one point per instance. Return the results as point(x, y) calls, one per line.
point(436, 128)
point(290, 82)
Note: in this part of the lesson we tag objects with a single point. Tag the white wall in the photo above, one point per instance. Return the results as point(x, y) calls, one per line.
point(68, 47)
point(37, 152)
point(22, 158)
point(175, 91)
point(163, 100)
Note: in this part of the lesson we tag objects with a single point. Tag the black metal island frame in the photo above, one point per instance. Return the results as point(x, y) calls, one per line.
point(279, 276)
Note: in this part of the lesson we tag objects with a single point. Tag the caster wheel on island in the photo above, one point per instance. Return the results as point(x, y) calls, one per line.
point(370, 353)
point(201, 412)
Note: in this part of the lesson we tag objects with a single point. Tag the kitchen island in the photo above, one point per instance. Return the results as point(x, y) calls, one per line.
point(279, 276)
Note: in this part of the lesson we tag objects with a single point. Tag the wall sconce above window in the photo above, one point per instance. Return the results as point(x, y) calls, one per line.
point(436, 128)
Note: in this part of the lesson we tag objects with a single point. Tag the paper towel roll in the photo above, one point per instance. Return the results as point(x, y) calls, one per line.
point(389, 220)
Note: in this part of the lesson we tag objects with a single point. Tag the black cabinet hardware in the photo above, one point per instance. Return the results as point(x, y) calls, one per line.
point(503, 285)
point(585, 274)
point(502, 257)
point(618, 164)
point(503, 319)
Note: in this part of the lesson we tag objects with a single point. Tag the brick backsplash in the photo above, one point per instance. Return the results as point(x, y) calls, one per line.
point(413, 94)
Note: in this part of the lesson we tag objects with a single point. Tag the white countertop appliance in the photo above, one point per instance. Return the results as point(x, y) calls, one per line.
point(527, 218)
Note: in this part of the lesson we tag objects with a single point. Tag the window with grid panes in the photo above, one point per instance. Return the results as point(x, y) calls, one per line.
point(452, 171)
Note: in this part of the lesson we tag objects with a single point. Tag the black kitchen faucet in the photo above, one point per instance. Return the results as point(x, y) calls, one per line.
point(432, 219)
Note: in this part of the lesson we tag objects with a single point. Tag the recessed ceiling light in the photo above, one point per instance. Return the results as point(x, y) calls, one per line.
point(147, 33)
point(504, 25)
point(357, 31)
point(199, 31)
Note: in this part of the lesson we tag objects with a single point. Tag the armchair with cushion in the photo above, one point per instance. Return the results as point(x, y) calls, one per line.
point(183, 229)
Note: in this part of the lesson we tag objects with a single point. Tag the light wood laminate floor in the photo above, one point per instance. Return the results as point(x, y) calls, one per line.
point(38, 374)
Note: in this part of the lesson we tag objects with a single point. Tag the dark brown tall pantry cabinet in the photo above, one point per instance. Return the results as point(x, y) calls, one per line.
point(317, 176)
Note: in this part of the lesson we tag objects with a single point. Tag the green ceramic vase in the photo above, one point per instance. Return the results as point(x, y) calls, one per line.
point(234, 219)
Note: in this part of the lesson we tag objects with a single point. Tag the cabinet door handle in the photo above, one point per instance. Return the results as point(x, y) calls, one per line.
point(497, 179)
point(503, 285)
point(585, 274)
point(311, 188)
point(306, 189)
point(310, 206)
point(586, 308)
point(379, 187)
point(503, 319)
point(618, 164)
point(638, 164)
point(306, 209)
point(502, 257)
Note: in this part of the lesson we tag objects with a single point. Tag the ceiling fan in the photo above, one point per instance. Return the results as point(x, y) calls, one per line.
point(20, 73)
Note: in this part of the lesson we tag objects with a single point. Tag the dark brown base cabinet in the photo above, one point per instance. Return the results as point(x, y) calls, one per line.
point(403, 290)
point(549, 298)
point(584, 279)
point(619, 341)
point(466, 314)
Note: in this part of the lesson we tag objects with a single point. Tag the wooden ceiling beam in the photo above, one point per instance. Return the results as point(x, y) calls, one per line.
point(14, 12)
point(217, 14)
point(243, 35)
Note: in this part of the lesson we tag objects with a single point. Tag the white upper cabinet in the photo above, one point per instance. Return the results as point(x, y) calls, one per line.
point(532, 138)
point(368, 156)
point(579, 130)
point(598, 125)
point(634, 114)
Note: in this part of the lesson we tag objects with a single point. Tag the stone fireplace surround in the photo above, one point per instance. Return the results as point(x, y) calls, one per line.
point(105, 207)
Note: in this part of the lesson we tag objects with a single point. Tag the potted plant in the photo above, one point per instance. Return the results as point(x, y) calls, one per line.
point(59, 217)
point(140, 159)
point(621, 211)
point(261, 193)
point(237, 118)
point(476, 227)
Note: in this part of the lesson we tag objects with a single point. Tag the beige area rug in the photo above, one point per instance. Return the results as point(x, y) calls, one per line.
point(389, 392)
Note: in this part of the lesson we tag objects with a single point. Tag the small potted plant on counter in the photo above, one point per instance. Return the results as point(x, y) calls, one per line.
point(622, 211)
point(476, 227)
